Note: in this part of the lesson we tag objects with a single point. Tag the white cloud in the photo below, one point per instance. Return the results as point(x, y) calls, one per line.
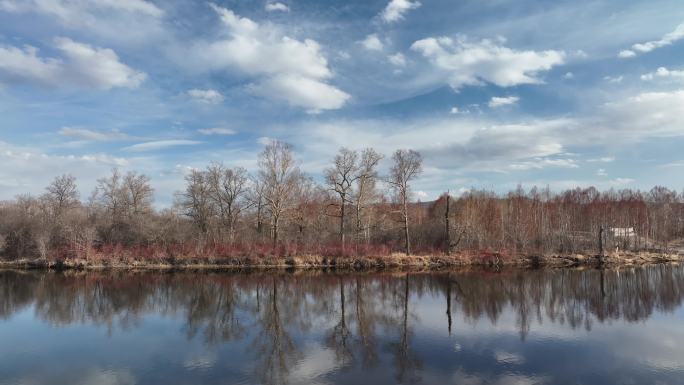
point(614, 79)
point(624, 54)
point(160, 145)
point(496, 101)
point(115, 19)
point(605, 159)
point(397, 59)
point(621, 181)
point(206, 96)
point(540, 163)
point(663, 72)
point(26, 169)
point(91, 135)
point(301, 91)
point(454, 110)
point(217, 131)
point(395, 10)
point(69, 8)
point(288, 69)
point(649, 46)
point(648, 114)
point(601, 172)
point(477, 63)
point(277, 7)
point(569, 75)
point(81, 65)
point(372, 43)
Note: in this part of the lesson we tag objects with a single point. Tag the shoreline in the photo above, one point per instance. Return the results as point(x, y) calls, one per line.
point(353, 263)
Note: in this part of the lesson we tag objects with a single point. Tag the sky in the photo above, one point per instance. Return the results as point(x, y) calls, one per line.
point(493, 94)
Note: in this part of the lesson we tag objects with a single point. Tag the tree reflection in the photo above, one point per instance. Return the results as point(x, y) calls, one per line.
point(364, 319)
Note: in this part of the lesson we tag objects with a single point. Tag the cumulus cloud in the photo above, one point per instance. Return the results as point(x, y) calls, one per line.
point(663, 73)
point(396, 9)
point(397, 59)
point(667, 39)
point(287, 69)
point(496, 101)
point(372, 43)
point(81, 65)
point(217, 131)
point(206, 96)
point(160, 145)
point(301, 91)
point(277, 7)
point(476, 63)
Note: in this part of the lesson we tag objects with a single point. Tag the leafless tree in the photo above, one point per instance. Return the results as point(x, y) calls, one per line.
point(62, 194)
point(137, 194)
point(228, 187)
point(408, 164)
point(340, 178)
point(195, 201)
point(279, 175)
point(365, 187)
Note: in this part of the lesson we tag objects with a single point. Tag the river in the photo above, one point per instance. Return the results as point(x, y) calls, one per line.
point(554, 326)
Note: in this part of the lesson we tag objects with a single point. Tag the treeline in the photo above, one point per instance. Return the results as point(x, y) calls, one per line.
point(280, 211)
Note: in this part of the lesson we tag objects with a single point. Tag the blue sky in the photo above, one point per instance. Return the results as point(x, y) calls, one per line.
point(493, 94)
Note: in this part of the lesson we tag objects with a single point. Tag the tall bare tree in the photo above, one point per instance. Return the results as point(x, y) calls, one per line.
point(195, 201)
point(228, 188)
point(340, 179)
point(279, 174)
point(137, 194)
point(365, 186)
point(408, 164)
point(62, 194)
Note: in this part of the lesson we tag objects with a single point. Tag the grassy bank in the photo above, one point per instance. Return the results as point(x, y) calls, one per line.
point(351, 262)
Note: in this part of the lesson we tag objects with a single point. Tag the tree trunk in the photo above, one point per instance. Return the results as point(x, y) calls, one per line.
point(447, 227)
point(342, 212)
point(407, 245)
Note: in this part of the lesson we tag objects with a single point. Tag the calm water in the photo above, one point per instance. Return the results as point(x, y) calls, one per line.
point(510, 327)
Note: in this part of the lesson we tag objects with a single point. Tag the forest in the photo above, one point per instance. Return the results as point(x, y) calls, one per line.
point(280, 211)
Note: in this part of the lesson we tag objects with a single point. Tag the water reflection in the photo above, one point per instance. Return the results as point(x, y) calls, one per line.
point(304, 327)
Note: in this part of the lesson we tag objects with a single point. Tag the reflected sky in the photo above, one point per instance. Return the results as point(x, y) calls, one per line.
point(463, 327)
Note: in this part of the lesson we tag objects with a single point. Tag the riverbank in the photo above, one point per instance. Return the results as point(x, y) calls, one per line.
point(353, 262)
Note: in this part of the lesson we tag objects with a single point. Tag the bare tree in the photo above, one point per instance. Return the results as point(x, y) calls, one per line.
point(62, 194)
point(279, 174)
point(255, 196)
point(228, 187)
point(408, 164)
point(108, 194)
point(137, 194)
point(341, 178)
point(195, 201)
point(365, 186)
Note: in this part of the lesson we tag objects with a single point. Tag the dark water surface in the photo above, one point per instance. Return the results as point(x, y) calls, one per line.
point(459, 327)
